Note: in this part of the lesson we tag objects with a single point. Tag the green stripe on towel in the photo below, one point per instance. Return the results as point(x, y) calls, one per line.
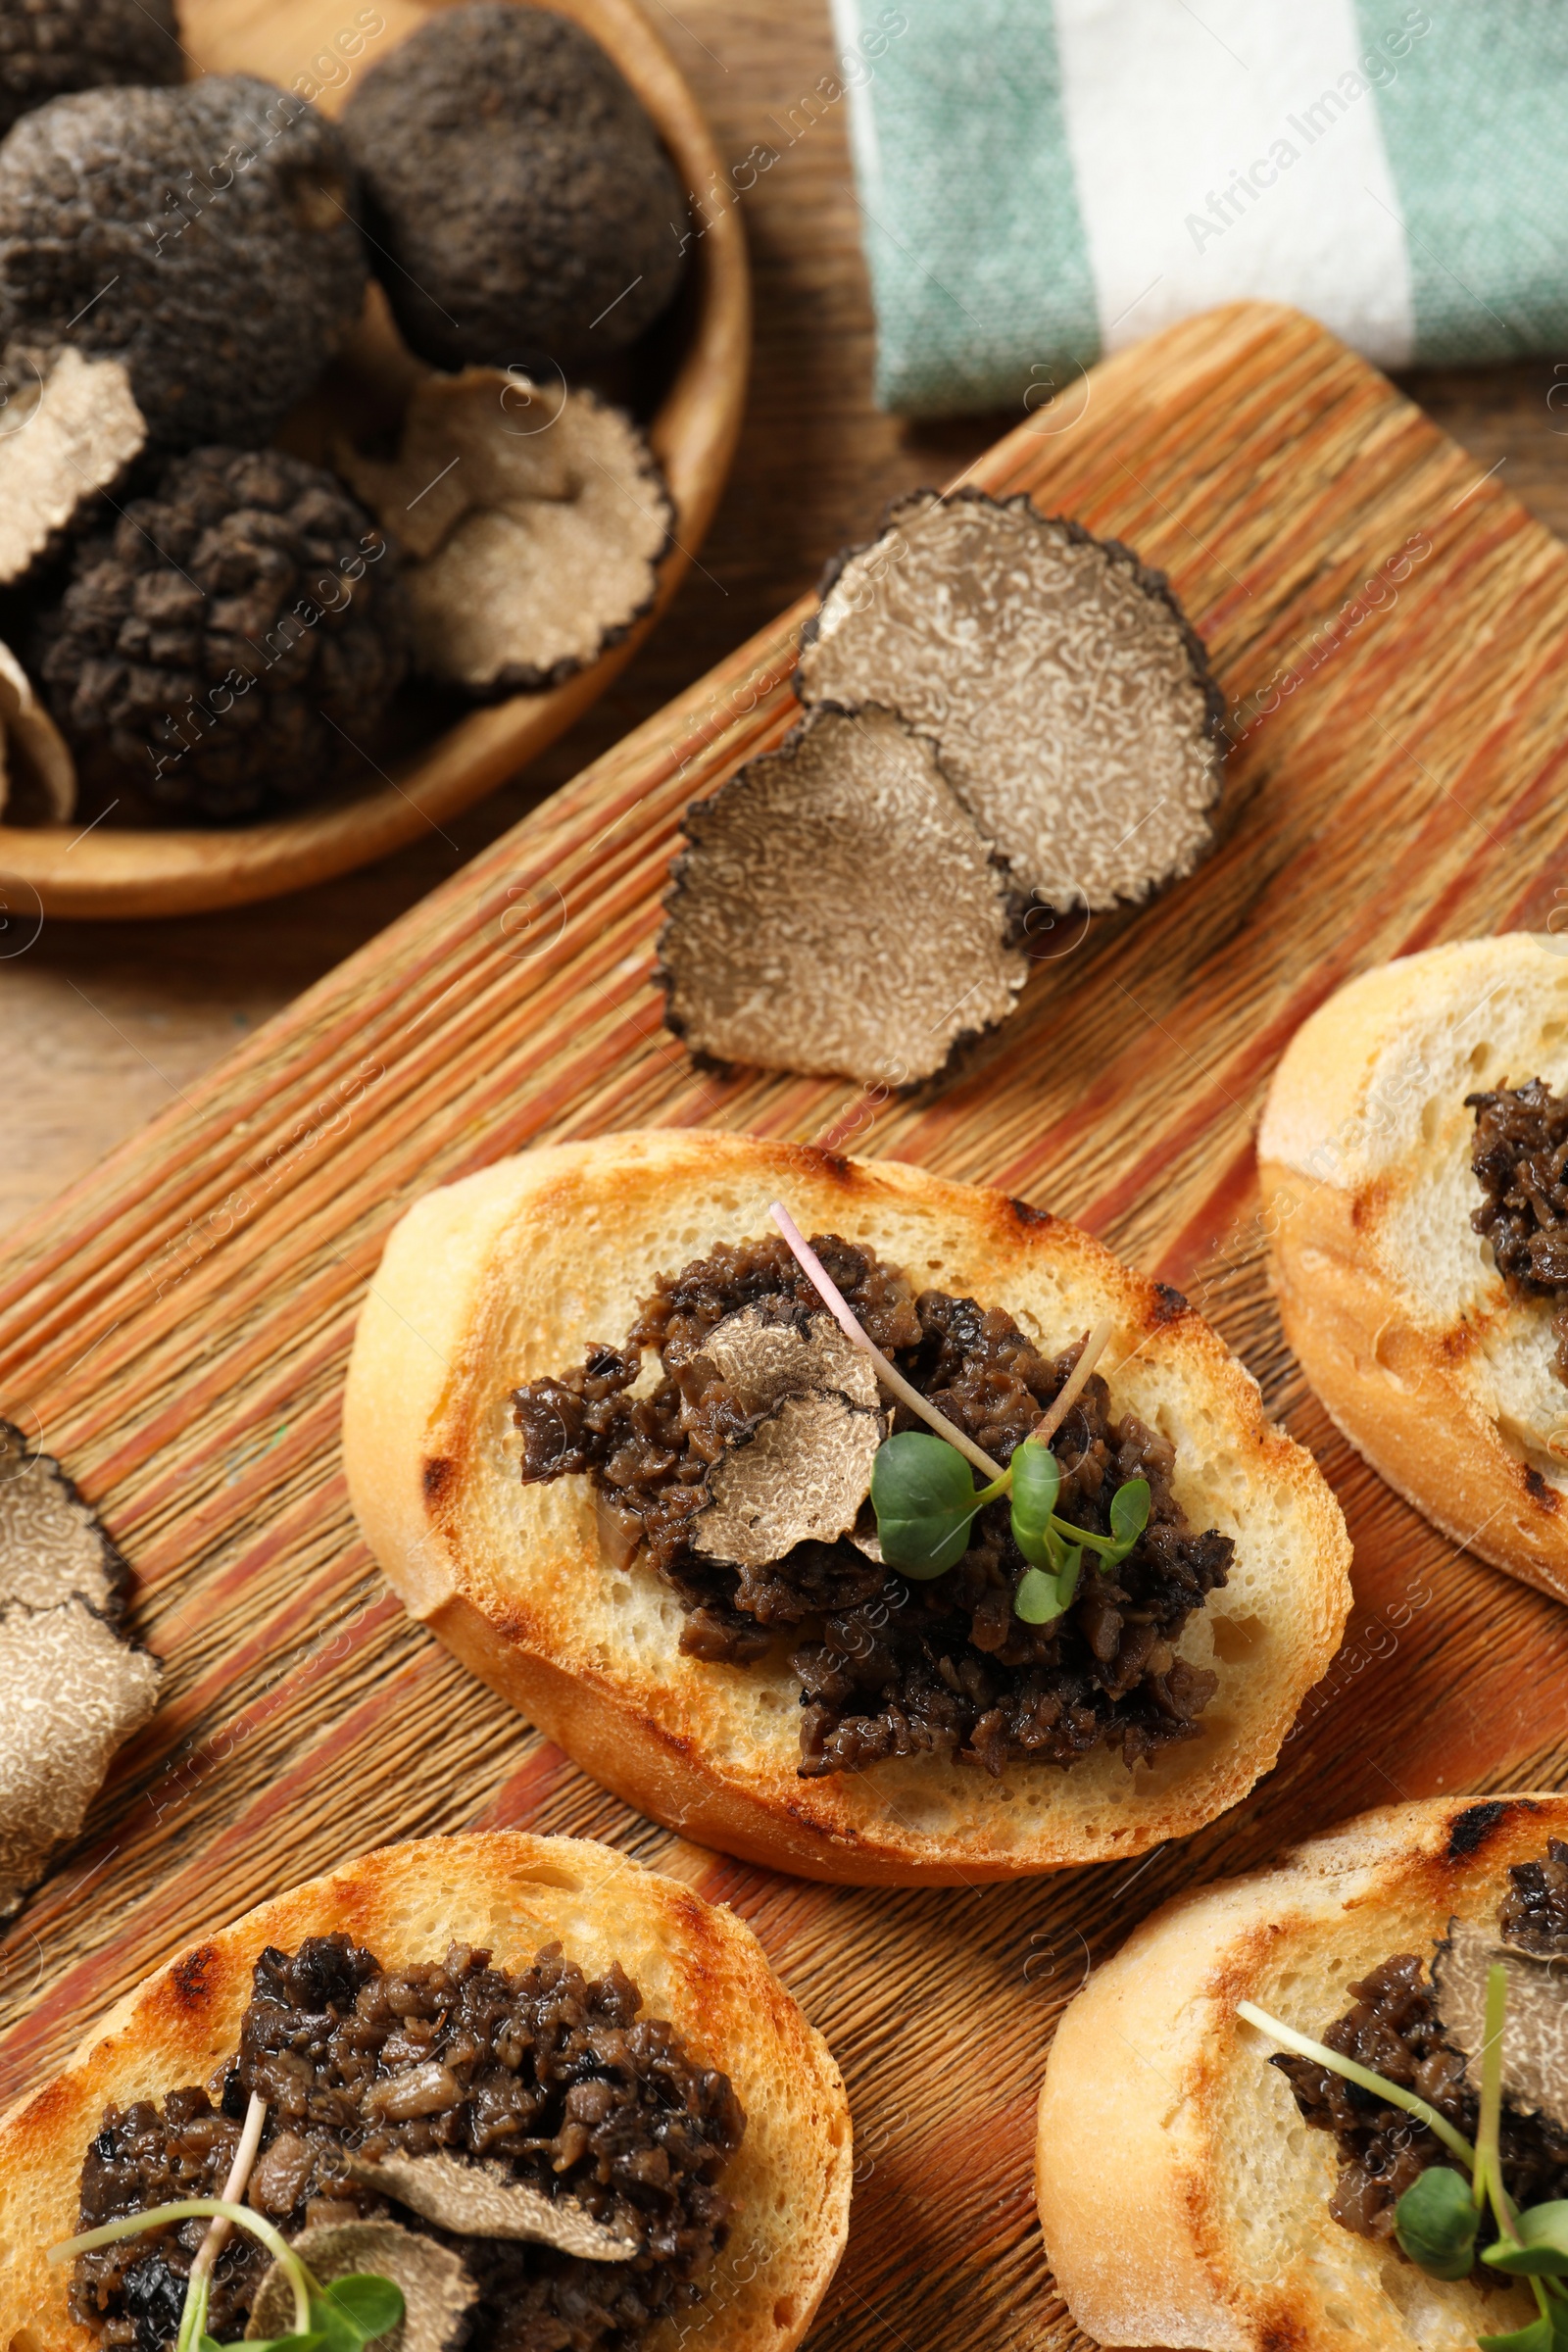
point(969, 216)
point(1478, 144)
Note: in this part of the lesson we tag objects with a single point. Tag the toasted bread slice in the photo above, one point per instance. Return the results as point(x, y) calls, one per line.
point(1183, 2199)
point(694, 1963)
point(515, 1272)
point(1388, 1297)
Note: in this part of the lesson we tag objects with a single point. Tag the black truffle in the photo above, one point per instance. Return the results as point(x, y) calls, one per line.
point(233, 639)
point(48, 47)
point(204, 237)
point(520, 205)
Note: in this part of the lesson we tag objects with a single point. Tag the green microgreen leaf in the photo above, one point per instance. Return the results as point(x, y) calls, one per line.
point(1436, 2222)
point(924, 1497)
point(1036, 1482)
point(1129, 1513)
point(1539, 2336)
point(1038, 1600)
point(354, 2310)
point(1541, 2247)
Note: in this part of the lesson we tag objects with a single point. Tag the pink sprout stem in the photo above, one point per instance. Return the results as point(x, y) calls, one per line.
point(888, 1374)
point(234, 2187)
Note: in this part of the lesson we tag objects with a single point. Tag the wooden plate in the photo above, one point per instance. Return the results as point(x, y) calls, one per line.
point(61, 870)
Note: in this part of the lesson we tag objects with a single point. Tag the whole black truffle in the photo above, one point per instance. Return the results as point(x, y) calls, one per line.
point(204, 236)
point(522, 208)
point(235, 638)
point(50, 46)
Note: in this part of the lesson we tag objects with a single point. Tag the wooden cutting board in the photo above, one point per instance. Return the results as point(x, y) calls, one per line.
point(1393, 630)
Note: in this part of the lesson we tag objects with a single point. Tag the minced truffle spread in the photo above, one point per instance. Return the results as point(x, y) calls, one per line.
point(1394, 2028)
point(889, 1666)
point(552, 2075)
point(1519, 1154)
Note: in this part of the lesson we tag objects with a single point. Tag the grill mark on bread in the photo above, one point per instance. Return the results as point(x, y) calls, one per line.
point(1541, 1491)
point(1469, 1831)
point(191, 1978)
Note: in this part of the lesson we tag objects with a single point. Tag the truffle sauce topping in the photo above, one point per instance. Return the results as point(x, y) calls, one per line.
point(1519, 1154)
point(551, 2077)
point(889, 1666)
point(1397, 2028)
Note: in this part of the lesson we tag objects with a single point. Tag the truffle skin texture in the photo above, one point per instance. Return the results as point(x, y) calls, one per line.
point(837, 911)
point(206, 235)
point(1070, 701)
point(48, 47)
point(235, 636)
point(515, 191)
point(72, 1687)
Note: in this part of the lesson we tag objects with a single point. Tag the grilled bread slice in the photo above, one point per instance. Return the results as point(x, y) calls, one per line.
point(1183, 2199)
point(1389, 1298)
point(516, 1271)
point(694, 1963)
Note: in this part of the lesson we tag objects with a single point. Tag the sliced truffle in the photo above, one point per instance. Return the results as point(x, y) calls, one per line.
point(838, 911)
point(519, 204)
point(485, 2200)
point(1068, 700)
point(799, 1477)
point(776, 1350)
point(205, 236)
point(1535, 2041)
point(532, 546)
point(72, 433)
point(235, 640)
point(35, 762)
point(72, 1687)
point(438, 2291)
point(48, 47)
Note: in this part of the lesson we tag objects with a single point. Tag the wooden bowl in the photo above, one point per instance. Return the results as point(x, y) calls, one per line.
point(104, 872)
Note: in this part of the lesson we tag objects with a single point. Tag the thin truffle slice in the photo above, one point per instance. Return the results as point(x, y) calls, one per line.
point(484, 2200)
point(71, 1689)
point(838, 911)
point(438, 2291)
point(1535, 2041)
point(34, 754)
point(72, 431)
point(533, 545)
point(799, 1476)
point(1069, 701)
point(764, 1356)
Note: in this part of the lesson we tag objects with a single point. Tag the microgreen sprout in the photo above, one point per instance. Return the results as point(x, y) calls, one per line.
point(1440, 2216)
point(926, 1498)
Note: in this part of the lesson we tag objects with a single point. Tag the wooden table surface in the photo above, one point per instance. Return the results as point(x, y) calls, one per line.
point(104, 1024)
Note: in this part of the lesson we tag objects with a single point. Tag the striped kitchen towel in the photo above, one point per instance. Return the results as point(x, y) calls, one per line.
point(1041, 181)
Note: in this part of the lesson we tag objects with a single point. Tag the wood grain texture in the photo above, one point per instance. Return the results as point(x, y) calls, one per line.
point(98, 869)
point(177, 1325)
point(104, 1023)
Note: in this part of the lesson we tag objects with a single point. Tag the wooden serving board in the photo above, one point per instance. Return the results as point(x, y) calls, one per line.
point(176, 1327)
